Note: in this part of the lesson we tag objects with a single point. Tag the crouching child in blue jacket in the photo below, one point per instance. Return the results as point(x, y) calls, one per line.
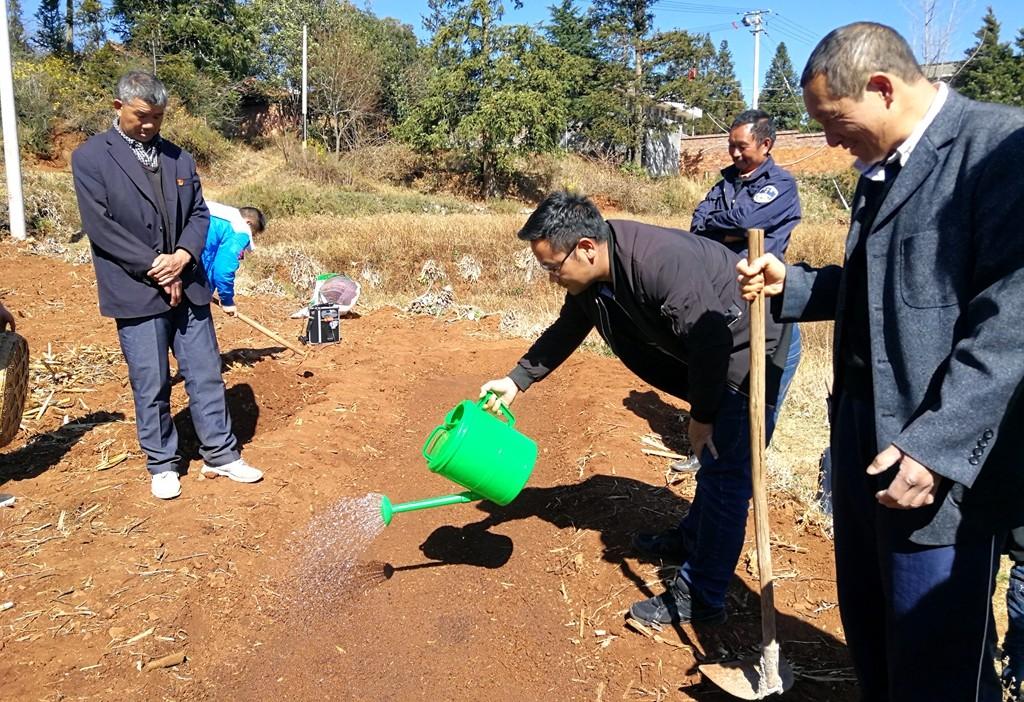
point(229, 237)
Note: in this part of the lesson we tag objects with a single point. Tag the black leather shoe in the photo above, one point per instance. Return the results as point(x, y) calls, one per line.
point(666, 545)
point(676, 605)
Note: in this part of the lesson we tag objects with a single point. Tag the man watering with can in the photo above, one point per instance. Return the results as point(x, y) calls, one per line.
point(667, 305)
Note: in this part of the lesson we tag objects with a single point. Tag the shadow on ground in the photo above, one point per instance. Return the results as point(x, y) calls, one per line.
point(46, 450)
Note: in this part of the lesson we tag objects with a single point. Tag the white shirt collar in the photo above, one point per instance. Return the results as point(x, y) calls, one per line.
point(876, 171)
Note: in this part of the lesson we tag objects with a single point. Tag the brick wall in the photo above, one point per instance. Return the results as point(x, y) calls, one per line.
point(709, 153)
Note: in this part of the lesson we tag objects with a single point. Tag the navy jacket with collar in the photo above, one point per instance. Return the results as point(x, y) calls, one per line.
point(766, 200)
point(672, 314)
point(120, 216)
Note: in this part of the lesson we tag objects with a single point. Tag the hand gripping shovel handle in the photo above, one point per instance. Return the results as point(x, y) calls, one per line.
point(770, 646)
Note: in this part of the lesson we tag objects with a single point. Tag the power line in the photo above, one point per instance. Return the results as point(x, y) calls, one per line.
point(711, 28)
point(698, 8)
point(792, 37)
point(798, 30)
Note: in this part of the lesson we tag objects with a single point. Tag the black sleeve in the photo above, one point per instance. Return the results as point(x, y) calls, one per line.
point(554, 346)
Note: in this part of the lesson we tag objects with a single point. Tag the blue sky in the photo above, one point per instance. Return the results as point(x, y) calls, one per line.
point(798, 23)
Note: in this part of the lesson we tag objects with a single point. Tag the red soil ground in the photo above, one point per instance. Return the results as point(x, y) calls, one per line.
point(524, 602)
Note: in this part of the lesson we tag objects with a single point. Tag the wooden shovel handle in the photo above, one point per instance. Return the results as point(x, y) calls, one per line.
point(762, 531)
point(273, 335)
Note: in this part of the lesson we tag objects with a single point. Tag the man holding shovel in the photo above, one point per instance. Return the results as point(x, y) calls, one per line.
point(667, 305)
point(142, 208)
point(929, 325)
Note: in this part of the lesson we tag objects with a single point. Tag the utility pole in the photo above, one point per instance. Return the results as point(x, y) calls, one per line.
point(755, 20)
point(9, 117)
point(304, 86)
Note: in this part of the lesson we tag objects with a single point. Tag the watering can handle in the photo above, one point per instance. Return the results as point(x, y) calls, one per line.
point(501, 405)
point(429, 443)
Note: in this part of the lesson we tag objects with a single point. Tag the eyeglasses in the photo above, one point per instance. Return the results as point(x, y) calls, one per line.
point(557, 269)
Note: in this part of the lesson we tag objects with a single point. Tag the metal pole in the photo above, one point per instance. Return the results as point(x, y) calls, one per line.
point(304, 99)
point(757, 61)
point(12, 158)
point(753, 19)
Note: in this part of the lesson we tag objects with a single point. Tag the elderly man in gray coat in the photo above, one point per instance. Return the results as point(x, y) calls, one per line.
point(928, 358)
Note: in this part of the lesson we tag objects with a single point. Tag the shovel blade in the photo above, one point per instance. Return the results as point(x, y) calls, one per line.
point(743, 679)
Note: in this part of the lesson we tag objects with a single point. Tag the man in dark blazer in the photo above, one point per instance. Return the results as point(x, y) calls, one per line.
point(142, 207)
point(927, 410)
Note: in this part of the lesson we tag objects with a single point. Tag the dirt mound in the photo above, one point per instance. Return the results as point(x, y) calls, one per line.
point(523, 602)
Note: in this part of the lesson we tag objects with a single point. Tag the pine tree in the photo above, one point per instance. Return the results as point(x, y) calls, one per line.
point(991, 72)
point(50, 35)
point(626, 31)
point(726, 92)
point(780, 97)
point(90, 19)
point(570, 30)
point(693, 73)
point(15, 26)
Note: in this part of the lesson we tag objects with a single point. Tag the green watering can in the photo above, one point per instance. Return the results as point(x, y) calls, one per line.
point(478, 451)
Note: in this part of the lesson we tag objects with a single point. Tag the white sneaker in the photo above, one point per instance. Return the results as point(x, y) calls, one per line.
point(239, 471)
point(166, 485)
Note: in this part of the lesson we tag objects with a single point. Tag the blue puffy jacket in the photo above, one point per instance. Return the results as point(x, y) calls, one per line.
point(766, 200)
point(225, 248)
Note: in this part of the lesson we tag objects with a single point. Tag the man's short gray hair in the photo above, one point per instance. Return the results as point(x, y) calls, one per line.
point(141, 85)
point(847, 56)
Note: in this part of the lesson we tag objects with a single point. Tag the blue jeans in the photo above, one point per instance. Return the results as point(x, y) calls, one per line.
point(188, 331)
point(714, 528)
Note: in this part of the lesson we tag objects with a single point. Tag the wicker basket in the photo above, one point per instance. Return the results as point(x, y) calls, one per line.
point(13, 383)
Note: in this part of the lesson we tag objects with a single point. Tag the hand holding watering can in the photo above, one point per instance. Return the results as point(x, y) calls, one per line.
point(498, 392)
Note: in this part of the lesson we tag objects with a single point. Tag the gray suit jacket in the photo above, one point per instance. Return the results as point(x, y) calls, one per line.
point(123, 223)
point(945, 268)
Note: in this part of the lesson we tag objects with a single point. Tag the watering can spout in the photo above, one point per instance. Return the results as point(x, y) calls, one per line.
point(388, 510)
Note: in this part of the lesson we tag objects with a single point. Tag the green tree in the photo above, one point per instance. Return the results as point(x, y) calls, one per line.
point(15, 27)
point(279, 64)
point(571, 30)
point(726, 93)
point(625, 30)
point(49, 35)
point(991, 72)
point(399, 62)
point(594, 121)
point(495, 92)
point(697, 76)
point(220, 36)
point(91, 18)
point(280, 52)
point(781, 94)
